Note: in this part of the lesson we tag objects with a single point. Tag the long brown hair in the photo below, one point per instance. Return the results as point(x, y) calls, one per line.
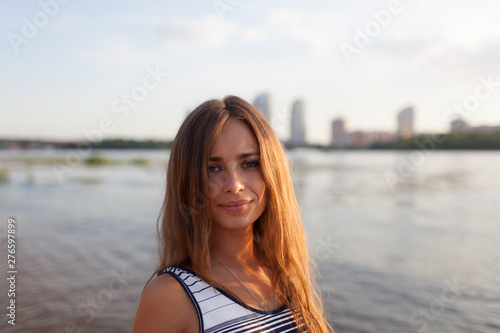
point(184, 224)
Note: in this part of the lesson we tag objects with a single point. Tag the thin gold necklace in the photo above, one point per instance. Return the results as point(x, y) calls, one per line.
point(241, 282)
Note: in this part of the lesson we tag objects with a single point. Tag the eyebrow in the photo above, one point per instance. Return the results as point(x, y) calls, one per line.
point(240, 157)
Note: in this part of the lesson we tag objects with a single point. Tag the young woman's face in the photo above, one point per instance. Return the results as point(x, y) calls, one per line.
point(235, 185)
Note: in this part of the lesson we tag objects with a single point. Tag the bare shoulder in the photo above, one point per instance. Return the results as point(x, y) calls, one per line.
point(165, 307)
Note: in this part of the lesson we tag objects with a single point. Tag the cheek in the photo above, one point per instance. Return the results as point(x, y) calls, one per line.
point(262, 191)
point(216, 183)
point(259, 187)
point(262, 203)
point(264, 197)
point(213, 190)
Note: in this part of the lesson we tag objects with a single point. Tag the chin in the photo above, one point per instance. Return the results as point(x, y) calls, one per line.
point(233, 223)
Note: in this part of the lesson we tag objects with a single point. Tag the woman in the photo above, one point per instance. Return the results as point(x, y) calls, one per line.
point(233, 254)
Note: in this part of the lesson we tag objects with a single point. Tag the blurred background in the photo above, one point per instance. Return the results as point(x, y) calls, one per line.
point(390, 112)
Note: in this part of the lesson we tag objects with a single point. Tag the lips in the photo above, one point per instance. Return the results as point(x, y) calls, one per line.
point(235, 203)
point(237, 206)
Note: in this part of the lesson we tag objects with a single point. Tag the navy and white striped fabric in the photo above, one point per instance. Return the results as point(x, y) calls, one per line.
point(219, 312)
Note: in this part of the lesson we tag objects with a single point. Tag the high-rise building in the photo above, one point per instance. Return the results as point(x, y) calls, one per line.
point(263, 103)
point(459, 125)
point(298, 127)
point(340, 136)
point(405, 123)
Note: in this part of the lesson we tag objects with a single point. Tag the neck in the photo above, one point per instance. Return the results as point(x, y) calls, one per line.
point(234, 248)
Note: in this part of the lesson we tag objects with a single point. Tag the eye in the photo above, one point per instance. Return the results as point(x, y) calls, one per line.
point(251, 164)
point(213, 168)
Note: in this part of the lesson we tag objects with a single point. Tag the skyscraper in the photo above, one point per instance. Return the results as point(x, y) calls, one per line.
point(263, 103)
point(340, 136)
point(459, 125)
point(298, 128)
point(405, 123)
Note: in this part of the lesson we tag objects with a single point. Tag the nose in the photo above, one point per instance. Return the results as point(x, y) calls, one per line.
point(233, 183)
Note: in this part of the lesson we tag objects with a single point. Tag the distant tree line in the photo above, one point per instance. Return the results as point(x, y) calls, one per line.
point(455, 140)
point(132, 144)
point(104, 144)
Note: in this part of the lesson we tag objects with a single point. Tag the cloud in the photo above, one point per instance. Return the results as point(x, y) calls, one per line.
point(314, 42)
point(209, 31)
point(443, 52)
point(118, 52)
point(254, 35)
point(286, 16)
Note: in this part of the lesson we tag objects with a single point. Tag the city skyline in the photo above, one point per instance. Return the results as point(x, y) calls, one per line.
point(131, 69)
point(406, 123)
point(298, 124)
point(263, 104)
point(340, 135)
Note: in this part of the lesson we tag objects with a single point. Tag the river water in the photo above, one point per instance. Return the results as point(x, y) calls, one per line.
point(404, 242)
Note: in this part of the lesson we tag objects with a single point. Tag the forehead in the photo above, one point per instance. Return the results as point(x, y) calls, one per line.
point(236, 137)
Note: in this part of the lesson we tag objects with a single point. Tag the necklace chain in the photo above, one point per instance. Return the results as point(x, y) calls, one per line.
point(241, 282)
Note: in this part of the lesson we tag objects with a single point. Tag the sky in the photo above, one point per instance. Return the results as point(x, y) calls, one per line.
point(73, 69)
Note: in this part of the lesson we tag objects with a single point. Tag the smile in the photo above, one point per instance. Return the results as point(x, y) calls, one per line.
point(236, 206)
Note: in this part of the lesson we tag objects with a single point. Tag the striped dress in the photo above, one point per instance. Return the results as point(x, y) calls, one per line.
point(219, 312)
